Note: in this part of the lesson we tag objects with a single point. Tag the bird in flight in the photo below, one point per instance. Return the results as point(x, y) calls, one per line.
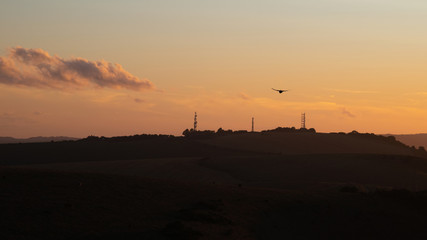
point(281, 90)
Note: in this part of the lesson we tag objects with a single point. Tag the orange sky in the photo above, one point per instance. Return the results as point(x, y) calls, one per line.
point(350, 65)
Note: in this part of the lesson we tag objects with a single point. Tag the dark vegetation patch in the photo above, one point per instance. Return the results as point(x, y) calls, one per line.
point(206, 134)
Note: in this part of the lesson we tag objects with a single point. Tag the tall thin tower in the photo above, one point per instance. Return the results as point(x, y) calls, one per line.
point(195, 121)
point(303, 120)
point(252, 124)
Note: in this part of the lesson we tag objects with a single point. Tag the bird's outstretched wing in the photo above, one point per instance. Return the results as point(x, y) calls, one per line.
point(280, 90)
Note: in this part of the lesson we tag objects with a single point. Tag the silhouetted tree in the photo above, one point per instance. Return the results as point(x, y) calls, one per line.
point(186, 132)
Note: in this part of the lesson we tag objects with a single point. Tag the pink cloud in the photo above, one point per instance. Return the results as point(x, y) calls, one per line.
point(36, 68)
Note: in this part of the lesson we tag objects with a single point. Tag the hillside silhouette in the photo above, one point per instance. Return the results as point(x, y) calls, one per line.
point(315, 143)
point(205, 144)
point(279, 183)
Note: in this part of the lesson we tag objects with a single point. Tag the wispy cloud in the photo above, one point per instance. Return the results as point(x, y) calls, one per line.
point(36, 68)
point(347, 113)
point(244, 96)
point(350, 91)
point(138, 100)
point(11, 118)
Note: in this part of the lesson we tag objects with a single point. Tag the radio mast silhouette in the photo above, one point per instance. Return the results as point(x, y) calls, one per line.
point(195, 121)
point(303, 120)
point(252, 124)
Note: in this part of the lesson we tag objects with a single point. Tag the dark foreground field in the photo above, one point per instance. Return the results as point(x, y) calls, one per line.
point(54, 205)
point(202, 189)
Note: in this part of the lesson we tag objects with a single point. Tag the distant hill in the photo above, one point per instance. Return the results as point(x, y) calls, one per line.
point(35, 139)
point(412, 139)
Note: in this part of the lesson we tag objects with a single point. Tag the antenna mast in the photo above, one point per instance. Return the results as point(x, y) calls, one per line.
point(252, 124)
point(303, 120)
point(195, 121)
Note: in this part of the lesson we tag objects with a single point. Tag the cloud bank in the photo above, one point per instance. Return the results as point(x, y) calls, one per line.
point(36, 68)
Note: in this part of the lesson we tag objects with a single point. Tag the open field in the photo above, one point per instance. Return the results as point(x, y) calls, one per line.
point(56, 205)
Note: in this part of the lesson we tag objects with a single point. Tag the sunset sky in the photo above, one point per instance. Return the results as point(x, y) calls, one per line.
point(108, 68)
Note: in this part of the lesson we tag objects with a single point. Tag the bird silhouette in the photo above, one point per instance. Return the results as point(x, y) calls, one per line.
point(281, 90)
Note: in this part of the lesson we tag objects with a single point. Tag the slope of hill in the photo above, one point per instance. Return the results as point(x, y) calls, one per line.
point(413, 139)
point(146, 146)
point(241, 186)
point(35, 139)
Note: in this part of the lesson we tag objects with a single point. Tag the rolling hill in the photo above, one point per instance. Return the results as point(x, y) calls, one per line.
point(270, 185)
point(312, 143)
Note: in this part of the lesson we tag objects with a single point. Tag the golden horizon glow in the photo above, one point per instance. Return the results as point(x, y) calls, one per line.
point(349, 65)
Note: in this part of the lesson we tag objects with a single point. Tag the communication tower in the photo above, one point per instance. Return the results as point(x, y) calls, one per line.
point(252, 124)
point(195, 121)
point(303, 120)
